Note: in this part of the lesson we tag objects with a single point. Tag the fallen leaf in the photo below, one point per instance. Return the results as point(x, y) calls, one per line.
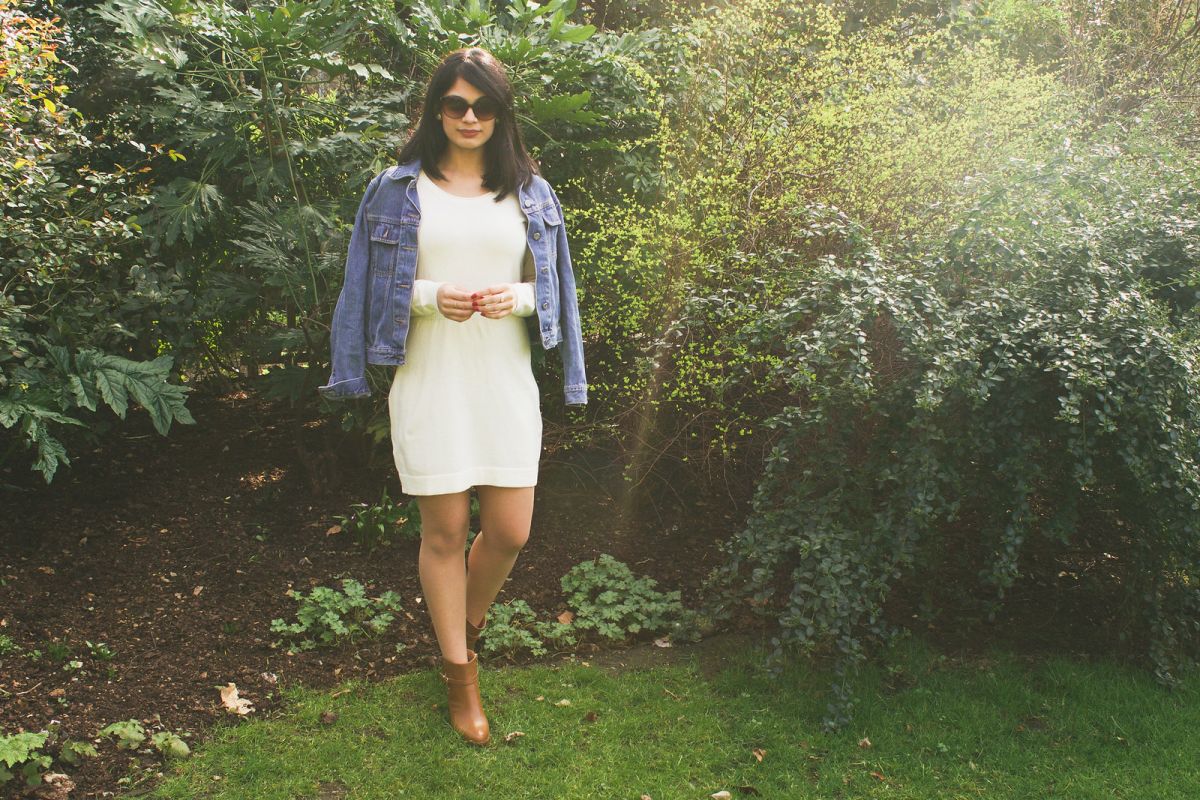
point(196, 592)
point(864, 742)
point(662, 641)
point(566, 617)
point(47, 570)
point(878, 776)
point(508, 737)
point(563, 702)
point(334, 531)
point(721, 795)
point(55, 786)
point(759, 753)
point(233, 703)
point(591, 717)
point(328, 717)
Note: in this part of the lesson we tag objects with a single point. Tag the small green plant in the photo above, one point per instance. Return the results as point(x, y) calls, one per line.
point(130, 733)
point(327, 615)
point(170, 745)
point(74, 752)
point(609, 599)
point(99, 650)
point(20, 756)
point(8, 645)
point(514, 626)
point(58, 651)
point(373, 525)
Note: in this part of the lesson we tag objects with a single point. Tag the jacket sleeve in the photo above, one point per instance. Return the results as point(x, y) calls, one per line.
point(347, 333)
point(574, 376)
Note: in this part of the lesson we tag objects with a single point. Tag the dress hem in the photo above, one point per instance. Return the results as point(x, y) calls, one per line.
point(461, 481)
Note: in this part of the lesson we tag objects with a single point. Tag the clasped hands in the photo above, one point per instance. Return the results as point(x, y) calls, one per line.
point(458, 304)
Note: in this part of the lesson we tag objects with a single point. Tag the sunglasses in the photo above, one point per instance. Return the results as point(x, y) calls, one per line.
point(456, 107)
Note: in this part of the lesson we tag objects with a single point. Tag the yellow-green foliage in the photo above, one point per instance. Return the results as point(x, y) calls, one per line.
point(781, 109)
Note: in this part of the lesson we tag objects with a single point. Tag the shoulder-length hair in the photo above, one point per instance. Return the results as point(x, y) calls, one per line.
point(507, 165)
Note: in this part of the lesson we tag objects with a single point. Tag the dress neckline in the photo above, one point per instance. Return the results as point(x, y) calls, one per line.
point(432, 183)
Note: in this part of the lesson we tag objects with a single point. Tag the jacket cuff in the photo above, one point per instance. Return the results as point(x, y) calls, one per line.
point(576, 395)
point(345, 390)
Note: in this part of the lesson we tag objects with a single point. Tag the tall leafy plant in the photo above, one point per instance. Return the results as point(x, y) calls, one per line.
point(76, 303)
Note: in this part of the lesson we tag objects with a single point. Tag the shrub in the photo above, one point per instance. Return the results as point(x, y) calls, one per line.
point(955, 410)
point(327, 615)
point(610, 600)
point(514, 626)
point(79, 318)
point(20, 755)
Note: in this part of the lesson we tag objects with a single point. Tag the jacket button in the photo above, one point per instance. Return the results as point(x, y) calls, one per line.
point(528, 203)
point(545, 269)
point(545, 305)
point(537, 235)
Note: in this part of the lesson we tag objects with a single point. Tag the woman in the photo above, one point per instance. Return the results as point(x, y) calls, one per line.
point(451, 250)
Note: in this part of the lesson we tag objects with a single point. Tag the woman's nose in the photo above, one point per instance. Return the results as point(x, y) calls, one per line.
point(470, 115)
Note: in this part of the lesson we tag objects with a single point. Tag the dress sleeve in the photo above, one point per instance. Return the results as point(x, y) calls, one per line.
point(526, 298)
point(424, 297)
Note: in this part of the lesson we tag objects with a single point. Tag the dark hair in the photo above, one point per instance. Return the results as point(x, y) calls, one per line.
point(506, 164)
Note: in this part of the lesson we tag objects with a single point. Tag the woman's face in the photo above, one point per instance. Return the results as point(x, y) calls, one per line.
point(469, 132)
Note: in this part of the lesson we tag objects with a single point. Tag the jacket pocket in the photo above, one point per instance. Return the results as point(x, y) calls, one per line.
point(385, 245)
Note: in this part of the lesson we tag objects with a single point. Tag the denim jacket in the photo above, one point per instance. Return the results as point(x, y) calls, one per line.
point(371, 319)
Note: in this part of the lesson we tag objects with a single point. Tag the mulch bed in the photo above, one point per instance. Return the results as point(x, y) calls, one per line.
point(176, 553)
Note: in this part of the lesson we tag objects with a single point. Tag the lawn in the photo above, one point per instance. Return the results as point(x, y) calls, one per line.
point(707, 719)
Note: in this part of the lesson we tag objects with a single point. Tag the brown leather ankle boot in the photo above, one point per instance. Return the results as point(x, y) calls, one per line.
point(466, 706)
point(473, 632)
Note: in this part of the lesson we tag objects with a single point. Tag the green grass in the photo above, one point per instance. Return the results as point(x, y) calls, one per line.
point(1000, 727)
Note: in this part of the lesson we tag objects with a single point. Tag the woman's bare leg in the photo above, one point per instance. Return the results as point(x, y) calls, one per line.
point(444, 522)
point(505, 514)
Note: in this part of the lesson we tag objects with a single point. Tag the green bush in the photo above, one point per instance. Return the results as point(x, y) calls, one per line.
point(514, 626)
point(81, 313)
point(960, 409)
point(610, 600)
point(20, 754)
point(327, 616)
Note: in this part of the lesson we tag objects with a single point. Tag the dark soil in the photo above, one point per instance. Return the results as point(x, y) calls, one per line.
point(176, 553)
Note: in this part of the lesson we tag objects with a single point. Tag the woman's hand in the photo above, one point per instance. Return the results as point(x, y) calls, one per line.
point(454, 302)
point(496, 302)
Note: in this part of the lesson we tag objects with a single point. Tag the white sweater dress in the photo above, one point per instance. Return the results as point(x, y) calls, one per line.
point(464, 407)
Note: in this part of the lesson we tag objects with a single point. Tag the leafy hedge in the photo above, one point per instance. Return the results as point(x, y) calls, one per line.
point(994, 394)
point(79, 309)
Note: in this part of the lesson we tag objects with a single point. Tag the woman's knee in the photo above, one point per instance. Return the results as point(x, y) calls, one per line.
point(510, 538)
point(444, 526)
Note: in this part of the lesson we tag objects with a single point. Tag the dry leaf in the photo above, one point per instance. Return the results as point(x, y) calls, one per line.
point(721, 795)
point(233, 703)
point(563, 702)
point(196, 592)
point(662, 641)
point(878, 776)
point(328, 717)
point(334, 531)
point(646, 797)
point(508, 737)
point(55, 786)
point(566, 617)
point(759, 753)
point(864, 742)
